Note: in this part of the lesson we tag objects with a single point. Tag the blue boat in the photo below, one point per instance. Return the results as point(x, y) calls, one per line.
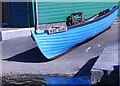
point(56, 40)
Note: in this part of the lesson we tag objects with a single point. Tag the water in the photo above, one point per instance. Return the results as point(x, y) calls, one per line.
point(36, 80)
point(65, 81)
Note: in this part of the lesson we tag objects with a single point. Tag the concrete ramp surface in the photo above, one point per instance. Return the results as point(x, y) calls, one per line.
point(22, 56)
point(108, 58)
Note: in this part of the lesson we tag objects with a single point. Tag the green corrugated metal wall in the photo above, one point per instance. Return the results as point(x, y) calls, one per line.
point(58, 11)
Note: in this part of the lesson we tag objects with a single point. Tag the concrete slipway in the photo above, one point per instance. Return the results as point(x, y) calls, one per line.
point(22, 56)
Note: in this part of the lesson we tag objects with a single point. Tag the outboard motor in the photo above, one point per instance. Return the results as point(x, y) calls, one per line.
point(71, 20)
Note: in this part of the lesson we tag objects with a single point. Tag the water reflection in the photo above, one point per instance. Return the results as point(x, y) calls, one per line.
point(67, 81)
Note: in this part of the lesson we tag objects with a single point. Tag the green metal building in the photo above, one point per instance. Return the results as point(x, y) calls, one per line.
point(21, 14)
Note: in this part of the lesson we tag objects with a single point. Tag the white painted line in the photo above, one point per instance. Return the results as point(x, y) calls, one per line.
point(98, 45)
point(88, 49)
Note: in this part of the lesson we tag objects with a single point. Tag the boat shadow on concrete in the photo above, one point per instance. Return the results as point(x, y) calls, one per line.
point(35, 56)
point(30, 56)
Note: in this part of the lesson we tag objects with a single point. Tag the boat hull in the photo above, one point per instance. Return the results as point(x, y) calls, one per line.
point(52, 45)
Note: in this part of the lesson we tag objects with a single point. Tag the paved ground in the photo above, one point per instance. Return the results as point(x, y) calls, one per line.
point(0, 34)
point(16, 46)
point(109, 56)
point(24, 57)
point(0, 59)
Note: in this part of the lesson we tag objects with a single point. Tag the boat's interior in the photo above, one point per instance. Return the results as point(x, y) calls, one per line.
point(71, 20)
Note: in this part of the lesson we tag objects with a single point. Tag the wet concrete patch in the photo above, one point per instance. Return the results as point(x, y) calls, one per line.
point(23, 80)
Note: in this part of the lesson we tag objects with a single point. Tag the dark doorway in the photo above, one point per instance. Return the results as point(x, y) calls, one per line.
point(4, 14)
point(17, 14)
